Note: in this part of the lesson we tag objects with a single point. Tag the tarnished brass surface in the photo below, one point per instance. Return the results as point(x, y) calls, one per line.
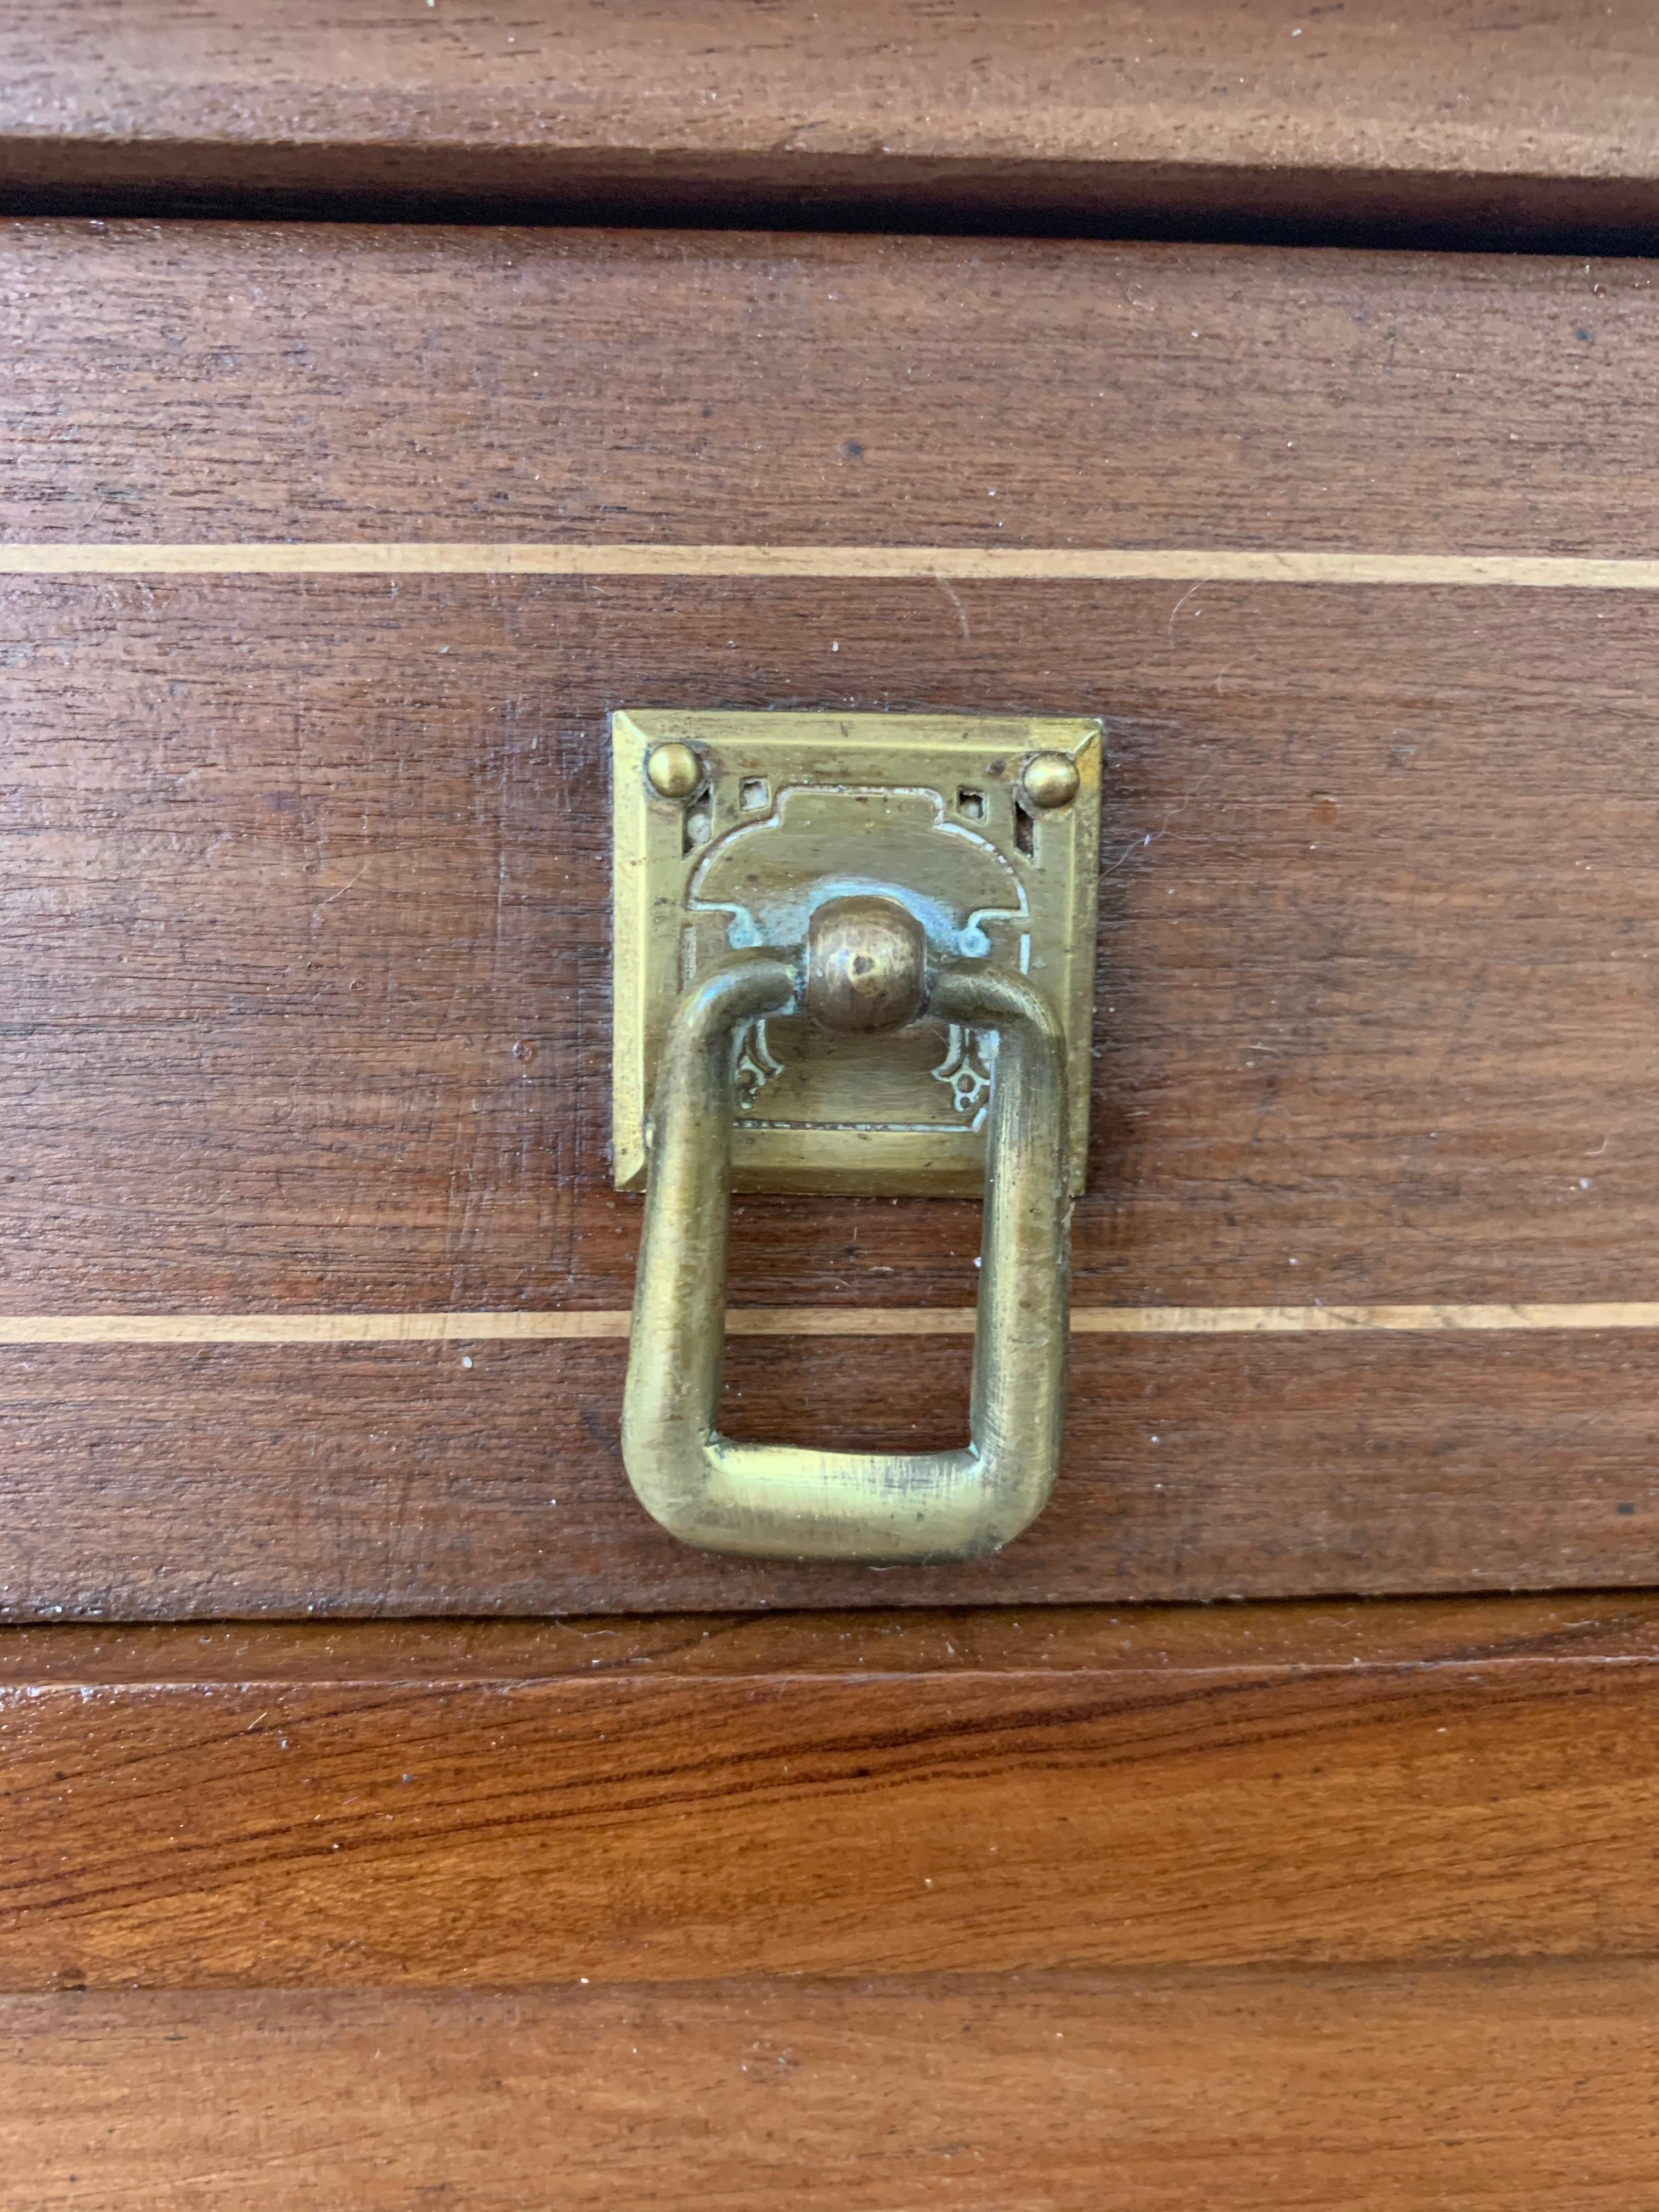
point(1050, 780)
point(673, 771)
point(984, 829)
point(787, 1501)
point(866, 965)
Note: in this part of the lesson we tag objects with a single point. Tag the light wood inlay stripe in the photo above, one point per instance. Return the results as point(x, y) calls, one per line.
point(956, 564)
point(806, 1320)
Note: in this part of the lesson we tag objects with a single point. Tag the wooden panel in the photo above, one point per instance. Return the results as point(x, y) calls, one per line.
point(179, 381)
point(1530, 2087)
point(307, 932)
point(307, 961)
point(1435, 114)
point(1135, 1640)
point(304, 929)
point(178, 1482)
point(833, 1799)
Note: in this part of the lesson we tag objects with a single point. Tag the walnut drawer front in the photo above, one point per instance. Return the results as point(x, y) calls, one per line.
point(327, 553)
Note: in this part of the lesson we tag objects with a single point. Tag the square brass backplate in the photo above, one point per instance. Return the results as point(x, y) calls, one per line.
point(978, 824)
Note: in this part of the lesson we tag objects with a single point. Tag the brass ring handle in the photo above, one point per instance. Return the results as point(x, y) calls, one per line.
point(793, 1502)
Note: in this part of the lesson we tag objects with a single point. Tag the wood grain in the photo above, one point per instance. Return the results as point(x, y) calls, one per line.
point(303, 924)
point(1439, 116)
point(832, 1801)
point(181, 382)
point(1135, 1639)
point(308, 959)
point(1375, 2091)
point(158, 1483)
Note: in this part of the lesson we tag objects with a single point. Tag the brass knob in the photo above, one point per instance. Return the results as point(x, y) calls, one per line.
point(673, 770)
point(867, 965)
point(1050, 780)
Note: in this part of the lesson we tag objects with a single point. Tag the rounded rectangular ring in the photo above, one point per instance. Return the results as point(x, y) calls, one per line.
point(792, 1501)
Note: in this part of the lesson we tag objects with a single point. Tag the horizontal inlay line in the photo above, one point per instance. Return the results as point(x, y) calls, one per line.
point(805, 1321)
point(957, 564)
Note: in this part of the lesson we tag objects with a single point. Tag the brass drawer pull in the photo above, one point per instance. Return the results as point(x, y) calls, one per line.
point(864, 969)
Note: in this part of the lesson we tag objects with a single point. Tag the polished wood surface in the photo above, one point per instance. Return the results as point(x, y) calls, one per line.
point(1382, 2090)
point(1431, 115)
point(138, 1483)
point(676, 1802)
point(306, 1010)
point(306, 937)
point(261, 380)
point(310, 956)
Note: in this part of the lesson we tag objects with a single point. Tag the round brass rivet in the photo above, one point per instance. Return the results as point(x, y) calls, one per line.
point(1050, 780)
point(674, 769)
